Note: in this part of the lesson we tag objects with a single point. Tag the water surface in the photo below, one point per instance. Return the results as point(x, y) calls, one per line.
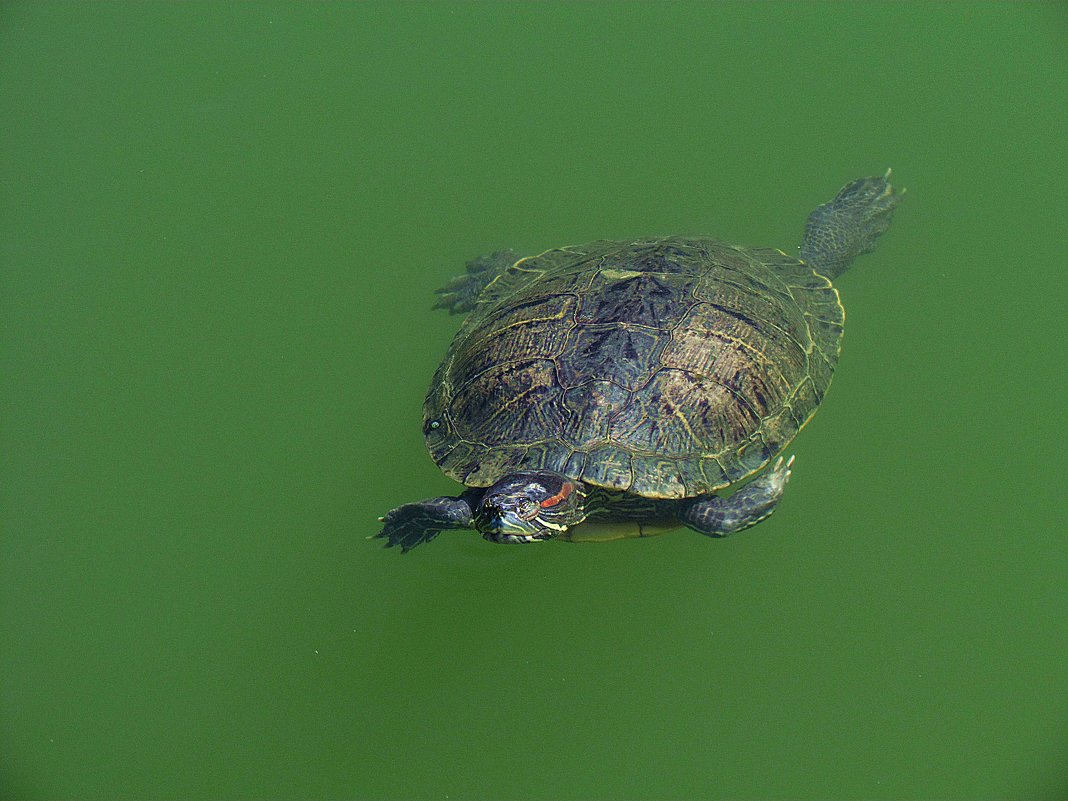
point(222, 228)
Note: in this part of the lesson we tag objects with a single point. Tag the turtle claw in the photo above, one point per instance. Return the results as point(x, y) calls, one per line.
point(778, 476)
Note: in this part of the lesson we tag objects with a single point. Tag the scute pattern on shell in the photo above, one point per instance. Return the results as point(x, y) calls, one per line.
point(665, 367)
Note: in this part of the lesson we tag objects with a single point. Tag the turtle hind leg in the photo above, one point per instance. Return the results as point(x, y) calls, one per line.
point(849, 225)
point(718, 517)
point(461, 293)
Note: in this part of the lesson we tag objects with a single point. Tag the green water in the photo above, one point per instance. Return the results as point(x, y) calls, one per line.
point(221, 229)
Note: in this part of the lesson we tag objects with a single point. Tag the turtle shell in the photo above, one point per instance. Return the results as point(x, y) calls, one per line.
point(664, 367)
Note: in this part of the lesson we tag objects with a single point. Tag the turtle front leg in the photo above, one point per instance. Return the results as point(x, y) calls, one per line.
point(718, 517)
point(416, 523)
point(461, 293)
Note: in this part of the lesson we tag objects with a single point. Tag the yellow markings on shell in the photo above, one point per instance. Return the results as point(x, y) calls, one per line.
point(619, 275)
point(608, 532)
point(685, 423)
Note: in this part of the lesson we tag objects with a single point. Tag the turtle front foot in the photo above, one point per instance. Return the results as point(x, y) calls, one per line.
point(461, 293)
point(416, 523)
point(719, 517)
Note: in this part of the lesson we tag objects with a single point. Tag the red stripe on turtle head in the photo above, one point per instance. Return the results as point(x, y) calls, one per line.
point(565, 491)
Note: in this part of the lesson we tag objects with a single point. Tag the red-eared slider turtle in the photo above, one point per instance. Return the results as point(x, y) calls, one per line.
point(621, 385)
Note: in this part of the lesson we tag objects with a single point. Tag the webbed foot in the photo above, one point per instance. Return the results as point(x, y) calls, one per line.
point(850, 224)
point(776, 479)
point(415, 523)
point(461, 293)
point(718, 517)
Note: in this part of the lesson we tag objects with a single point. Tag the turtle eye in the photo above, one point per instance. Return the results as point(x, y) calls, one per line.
point(528, 509)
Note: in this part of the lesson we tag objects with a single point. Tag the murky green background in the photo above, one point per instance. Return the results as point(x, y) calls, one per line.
point(221, 226)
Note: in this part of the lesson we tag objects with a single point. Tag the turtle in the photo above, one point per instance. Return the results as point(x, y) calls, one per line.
point(626, 388)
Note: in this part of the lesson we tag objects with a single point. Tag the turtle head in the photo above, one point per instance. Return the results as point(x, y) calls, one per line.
point(530, 506)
